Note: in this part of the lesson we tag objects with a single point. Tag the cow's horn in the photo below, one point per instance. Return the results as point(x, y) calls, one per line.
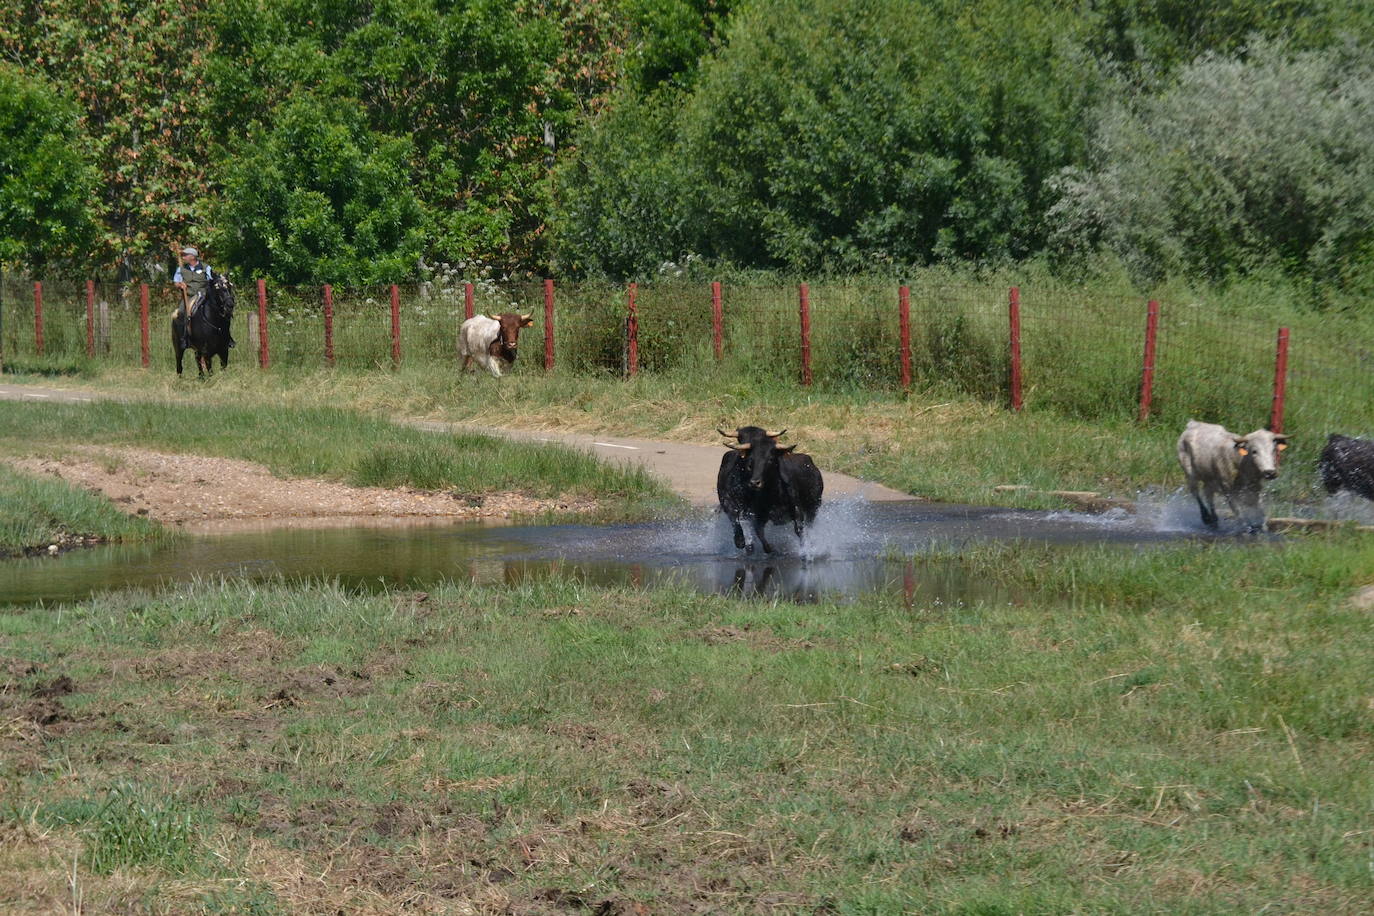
point(776, 435)
point(527, 316)
point(727, 435)
point(492, 317)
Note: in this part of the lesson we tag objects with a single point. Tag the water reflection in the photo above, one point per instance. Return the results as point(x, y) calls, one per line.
point(848, 553)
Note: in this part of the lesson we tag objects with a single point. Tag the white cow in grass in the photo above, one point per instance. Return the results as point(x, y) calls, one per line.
point(491, 340)
point(1219, 461)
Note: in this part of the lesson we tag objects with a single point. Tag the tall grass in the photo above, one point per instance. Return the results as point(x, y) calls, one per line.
point(37, 511)
point(1082, 340)
point(133, 825)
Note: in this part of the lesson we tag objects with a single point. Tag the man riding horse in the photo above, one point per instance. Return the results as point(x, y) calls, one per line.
point(191, 278)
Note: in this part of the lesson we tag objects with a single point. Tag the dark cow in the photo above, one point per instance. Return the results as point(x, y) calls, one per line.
point(1347, 463)
point(761, 481)
point(208, 333)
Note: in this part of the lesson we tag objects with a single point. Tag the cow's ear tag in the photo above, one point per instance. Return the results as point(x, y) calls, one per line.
point(1281, 446)
point(1243, 451)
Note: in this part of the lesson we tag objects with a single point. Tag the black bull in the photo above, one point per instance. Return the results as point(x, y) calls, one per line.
point(761, 482)
point(208, 334)
point(1347, 463)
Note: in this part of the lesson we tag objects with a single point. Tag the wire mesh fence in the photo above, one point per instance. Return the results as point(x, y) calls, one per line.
point(1081, 348)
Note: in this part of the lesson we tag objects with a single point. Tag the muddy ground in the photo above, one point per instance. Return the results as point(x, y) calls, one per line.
point(200, 492)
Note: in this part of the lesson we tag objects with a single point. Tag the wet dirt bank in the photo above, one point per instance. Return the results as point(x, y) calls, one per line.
point(202, 493)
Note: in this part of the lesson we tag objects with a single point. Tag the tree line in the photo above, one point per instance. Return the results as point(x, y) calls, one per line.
point(358, 142)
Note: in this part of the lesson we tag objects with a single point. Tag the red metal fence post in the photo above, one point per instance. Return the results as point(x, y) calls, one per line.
point(38, 316)
point(395, 325)
point(804, 307)
point(904, 333)
point(717, 318)
point(329, 324)
point(143, 322)
point(1014, 312)
point(1147, 371)
point(548, 325)
point(632, 331)
point(1280, 381)
point(90, 318)
point(467, 301)
point(262, 323)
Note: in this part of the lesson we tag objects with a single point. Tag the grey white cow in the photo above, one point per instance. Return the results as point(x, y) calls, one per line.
point(1219, 461)
point(491, 340)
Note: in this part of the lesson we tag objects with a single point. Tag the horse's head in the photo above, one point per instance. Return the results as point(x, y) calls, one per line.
point(220, 295)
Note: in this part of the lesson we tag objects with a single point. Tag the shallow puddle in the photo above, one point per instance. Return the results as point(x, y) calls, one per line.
point(855, 547)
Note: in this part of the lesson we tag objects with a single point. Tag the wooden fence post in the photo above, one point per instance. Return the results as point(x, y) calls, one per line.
point(38, 316)
point(904, 333)
point(467, 301)
point(632, 331)
point(717, 318)
point(548, 325)
point(804, 307)
point(1014, 313)
point(1147, 371)
point(395, 325)
point(1280, 381)
point(90, 318)
point(329, 324)
point(143, 322)
point(262, 324)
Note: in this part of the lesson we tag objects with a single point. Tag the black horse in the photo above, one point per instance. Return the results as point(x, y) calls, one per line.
point(208, 334)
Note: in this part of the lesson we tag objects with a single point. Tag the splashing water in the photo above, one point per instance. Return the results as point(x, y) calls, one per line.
point(843, 528)
point(1349, 507)
point(1174, 511)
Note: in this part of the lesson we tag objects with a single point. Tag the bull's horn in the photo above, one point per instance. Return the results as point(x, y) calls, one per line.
point(727, 435)
point(492, 317)
point(776, 435)
point(527, 316)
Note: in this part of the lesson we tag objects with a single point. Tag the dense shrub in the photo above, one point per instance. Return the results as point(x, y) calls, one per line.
point(1262, 161)
point(318, 197)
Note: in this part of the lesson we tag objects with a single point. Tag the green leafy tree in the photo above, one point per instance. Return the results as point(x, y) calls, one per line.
point(667, 40)
point(318, 197)
point(45, 181)
point(136, 71)
point(475, 85)
point(1154, 37)
point(833, 134)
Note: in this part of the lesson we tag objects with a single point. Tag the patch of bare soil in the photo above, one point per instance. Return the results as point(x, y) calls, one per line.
point(204, 492)
point(759, 639)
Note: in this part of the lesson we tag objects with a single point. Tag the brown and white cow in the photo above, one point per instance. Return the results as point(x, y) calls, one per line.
point(1219, 461)
point(491, 340)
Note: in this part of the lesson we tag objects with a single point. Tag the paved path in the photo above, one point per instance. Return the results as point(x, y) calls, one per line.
point(689, 469)
point(34, 393)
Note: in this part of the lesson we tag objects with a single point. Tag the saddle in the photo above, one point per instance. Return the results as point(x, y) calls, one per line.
point(195, 302)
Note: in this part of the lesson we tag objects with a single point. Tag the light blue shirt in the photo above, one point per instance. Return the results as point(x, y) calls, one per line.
point(209, 274)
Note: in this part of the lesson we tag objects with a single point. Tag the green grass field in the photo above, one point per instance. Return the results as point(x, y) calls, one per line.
point(1185, 730)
